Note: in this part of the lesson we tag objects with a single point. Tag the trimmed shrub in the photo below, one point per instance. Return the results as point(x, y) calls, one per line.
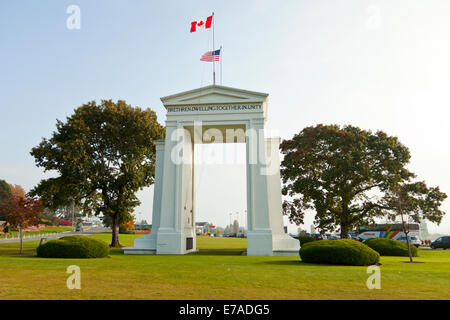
point(341, 251)
point(73, 247)
point(388, 247)
point(305, 239)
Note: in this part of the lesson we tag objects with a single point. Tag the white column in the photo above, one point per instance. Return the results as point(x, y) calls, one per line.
point(259, 234)
point(169, 234)
point(274, 185)
point(156, 218)
point(186, 188)
point(282, 243)
point(147, 243)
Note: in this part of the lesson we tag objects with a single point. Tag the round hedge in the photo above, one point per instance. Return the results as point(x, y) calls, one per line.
point(388, 247)
point(305, 239)
point(73, 247)
point(342, 251)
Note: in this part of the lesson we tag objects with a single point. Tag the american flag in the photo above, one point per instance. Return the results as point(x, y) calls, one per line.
point(211, 56)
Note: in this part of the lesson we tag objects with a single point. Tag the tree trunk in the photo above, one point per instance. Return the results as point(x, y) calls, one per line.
point(406, 232)
point(21, 240)
point(115, 231)
point(409, 246)
point(344, 222)
point(344, 230)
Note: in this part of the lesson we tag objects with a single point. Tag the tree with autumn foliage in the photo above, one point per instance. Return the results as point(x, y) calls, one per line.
point(23, 212)
point(124, 226)
point(17, 191)
point(127, 226)
point(345, 174)
point(104, 153)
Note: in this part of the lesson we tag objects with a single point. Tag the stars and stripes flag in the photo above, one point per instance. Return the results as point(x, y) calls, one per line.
point(202, 24)
point(211, 56)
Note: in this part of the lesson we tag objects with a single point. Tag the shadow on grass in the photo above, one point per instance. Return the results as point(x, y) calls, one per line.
point(115, 251)
point(25, 255)
point(10, 251)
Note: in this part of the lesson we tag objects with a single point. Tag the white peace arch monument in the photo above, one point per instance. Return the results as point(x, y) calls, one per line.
point(215, 114)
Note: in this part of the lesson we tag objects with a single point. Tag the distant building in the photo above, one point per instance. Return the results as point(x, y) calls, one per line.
point(200, 227)
point(205, 228)
point(423, 230)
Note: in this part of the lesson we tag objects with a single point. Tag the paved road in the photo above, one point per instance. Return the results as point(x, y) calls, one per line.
point(59, 235)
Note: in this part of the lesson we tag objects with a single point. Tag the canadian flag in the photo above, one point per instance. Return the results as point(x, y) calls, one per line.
point(196, 25)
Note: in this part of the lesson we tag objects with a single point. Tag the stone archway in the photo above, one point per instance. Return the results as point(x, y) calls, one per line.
point(215, 114)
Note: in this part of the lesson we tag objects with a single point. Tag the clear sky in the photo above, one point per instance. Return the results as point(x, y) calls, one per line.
point(370, 63)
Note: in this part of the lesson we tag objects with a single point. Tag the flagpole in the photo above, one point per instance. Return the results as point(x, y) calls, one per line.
point(221, 58)
point(214, 64)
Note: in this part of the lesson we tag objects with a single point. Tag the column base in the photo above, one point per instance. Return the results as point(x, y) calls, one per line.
point(263, 243)
point(143, 245)
point(169, 242)
point(285, 245)
point(286, 253)
point(259, 242)
point(133, 250)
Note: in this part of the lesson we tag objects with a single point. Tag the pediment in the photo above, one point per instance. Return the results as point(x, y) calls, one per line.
point(214, 94)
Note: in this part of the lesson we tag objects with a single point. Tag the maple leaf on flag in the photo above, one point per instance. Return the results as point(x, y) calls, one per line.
point(197, 25)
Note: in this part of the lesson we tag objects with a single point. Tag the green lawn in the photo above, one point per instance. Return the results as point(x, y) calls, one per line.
point(218, 271)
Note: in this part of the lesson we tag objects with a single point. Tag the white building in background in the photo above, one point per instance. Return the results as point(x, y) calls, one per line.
point(423, 230)
point(215, 114)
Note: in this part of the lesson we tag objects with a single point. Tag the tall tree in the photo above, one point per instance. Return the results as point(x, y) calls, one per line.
point(5, 195)
point(342, 173)
point(104, 153)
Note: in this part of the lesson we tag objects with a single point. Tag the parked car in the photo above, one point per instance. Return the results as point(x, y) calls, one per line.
point(441, 242)
point(317, 236)
point(231, 235)
point(412, 240)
